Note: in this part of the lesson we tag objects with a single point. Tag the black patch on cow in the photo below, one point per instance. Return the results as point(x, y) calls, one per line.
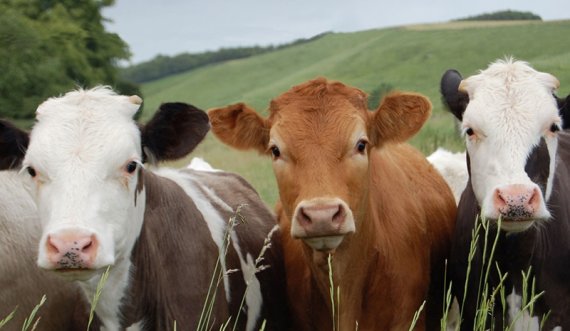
point(538, 165)
point(13, 145)
point(173, 132)
point(140, 184)
point(453, 99)
point(564, 110)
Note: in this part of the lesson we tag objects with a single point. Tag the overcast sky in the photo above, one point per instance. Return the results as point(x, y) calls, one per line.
point(170, 27)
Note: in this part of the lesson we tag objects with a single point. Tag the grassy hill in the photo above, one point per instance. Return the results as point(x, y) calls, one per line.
point(405, 58)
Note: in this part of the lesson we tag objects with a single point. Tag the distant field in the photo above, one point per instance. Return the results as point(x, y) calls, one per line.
point(407, 58)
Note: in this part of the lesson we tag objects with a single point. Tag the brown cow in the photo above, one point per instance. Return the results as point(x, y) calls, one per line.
point(349, 186)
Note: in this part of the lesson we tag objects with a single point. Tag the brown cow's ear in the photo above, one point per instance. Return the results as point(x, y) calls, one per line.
point(173, 132)
point(240, 126)
point(13, 145)
point(399, 117)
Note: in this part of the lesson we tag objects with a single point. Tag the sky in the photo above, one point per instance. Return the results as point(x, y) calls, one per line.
point(171, 27)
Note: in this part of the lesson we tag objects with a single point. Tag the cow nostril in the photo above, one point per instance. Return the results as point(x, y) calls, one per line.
point(51, 246)
point(87, 246)
point(304, 218)
point(534, 196)
point(338, 217)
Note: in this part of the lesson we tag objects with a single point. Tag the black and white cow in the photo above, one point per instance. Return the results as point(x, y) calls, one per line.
point(517, 157)
point(161, 232)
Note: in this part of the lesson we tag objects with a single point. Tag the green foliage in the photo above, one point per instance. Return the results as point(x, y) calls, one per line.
point(162, 66)
point(50, 47)
point(504, 15)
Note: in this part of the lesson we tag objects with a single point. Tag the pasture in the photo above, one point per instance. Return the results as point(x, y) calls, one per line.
point(411, 58)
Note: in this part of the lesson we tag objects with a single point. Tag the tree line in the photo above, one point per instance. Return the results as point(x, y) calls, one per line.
point(504, 15)
point(162, 65)
point(49, 47)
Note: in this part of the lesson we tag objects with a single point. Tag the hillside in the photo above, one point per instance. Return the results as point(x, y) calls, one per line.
point(405, 58)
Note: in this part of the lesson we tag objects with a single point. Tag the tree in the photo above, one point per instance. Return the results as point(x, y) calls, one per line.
point(52, 46)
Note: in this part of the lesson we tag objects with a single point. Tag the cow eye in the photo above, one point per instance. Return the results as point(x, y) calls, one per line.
point(554, 128)
point(469, 132)
point(361, 146)
point(275, 151)
point(31, 171)
point(131, 167)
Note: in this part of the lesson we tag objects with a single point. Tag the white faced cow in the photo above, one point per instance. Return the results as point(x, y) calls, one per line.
point(517, 159)
point(160, 233)
point(22, 283)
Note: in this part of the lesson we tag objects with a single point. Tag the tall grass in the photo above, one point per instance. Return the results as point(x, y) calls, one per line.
point(488, 297)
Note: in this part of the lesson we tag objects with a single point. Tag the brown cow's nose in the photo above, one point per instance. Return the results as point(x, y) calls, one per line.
point(71, 250)
point(322, 219)
point(517, 201)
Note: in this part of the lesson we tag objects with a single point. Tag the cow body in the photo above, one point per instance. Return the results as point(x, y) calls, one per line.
point(453, 169)
point(534, 231)
point(169, 280)
point(352, 190)
point(164, 236)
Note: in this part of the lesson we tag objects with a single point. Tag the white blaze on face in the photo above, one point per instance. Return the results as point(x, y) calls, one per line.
point(511, 108)
point(81, 156)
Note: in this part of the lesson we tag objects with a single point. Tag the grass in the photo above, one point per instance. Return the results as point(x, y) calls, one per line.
point(408, 58)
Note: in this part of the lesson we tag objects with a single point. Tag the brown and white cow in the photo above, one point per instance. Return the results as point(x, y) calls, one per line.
point(349, 186)
point(517, 156)
point(160, 232)
point(22, 283)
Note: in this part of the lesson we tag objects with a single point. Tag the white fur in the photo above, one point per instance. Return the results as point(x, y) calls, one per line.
point(200, 164)
point(215, 222)
point(253, 298)
point(79, 148)
point(453, 168)
point(511, 108)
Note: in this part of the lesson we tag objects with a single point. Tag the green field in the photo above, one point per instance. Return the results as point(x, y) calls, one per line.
point(406, 58)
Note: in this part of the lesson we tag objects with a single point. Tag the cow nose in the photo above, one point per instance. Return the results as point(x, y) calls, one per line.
point(517, 201)
point(71, 250)
point(321, 220)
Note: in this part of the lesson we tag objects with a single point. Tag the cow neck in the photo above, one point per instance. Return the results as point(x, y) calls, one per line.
point(139, 304)
point(115, 292)
point(160, 267)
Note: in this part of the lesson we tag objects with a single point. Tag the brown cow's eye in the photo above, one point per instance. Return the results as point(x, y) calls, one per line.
point(361, 146)
point(131, 167)
point(275, 151)
point(31, 171)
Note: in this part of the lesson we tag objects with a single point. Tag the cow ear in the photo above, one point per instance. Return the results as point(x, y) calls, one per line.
point(454, 99)
point(399, 117)
point(13, 145)
point(173, 132)
point(564, 109)
point(240, 126)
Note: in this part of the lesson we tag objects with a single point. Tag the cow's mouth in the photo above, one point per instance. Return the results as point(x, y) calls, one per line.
point(517, 224)
point(326, 244)
point(77, 273)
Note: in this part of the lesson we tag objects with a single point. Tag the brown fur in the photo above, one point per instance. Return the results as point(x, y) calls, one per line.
point(403, 209)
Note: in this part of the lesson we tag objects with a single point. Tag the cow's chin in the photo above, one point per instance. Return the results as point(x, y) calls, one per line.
point(326, 244)
point(80, 274)
point(517, 225)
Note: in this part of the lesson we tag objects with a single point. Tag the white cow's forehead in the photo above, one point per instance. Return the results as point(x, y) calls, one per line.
point(85, 124)
point(510, 95)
